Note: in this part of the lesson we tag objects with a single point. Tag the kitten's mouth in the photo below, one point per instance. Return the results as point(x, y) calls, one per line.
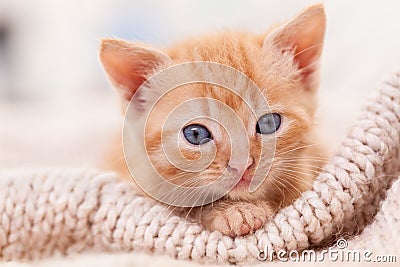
point(244, 181)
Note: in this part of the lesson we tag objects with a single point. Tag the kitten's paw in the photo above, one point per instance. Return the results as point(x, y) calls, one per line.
point(240, 219)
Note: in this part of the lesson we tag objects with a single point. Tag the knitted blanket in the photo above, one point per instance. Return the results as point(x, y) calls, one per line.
point(45, 213)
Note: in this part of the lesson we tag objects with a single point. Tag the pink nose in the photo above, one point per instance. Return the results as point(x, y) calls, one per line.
point(237, 166)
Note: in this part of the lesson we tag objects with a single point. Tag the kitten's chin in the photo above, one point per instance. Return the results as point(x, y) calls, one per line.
point(242, 185)
point(241, 191)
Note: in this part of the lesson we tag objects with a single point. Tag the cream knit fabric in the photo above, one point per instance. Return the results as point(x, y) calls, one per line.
point(44, 213)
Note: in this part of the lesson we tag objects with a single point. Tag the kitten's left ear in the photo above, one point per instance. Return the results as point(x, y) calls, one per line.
point(304, 35)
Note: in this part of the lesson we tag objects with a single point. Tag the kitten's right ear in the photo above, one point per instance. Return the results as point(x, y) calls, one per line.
point(128, 65)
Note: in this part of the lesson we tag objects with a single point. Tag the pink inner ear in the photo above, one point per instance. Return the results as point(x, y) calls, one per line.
point(305, 35)
point(128, 65)
point(122, 68)
point(308, 44)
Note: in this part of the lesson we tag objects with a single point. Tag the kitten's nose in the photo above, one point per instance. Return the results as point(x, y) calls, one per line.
point(238, 165)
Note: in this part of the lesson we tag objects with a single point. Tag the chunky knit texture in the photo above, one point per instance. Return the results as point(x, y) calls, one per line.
point(48, 212)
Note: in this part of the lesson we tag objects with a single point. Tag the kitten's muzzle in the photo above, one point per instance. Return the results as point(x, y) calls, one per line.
point(238, 166)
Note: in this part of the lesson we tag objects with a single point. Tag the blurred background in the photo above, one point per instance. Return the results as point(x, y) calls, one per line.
point(57, 108)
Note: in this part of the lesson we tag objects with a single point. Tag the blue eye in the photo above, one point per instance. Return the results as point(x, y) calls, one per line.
point(268, 123)
point(197, 134)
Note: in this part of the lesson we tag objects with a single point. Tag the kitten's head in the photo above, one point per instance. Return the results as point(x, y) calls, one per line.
point(283, 64)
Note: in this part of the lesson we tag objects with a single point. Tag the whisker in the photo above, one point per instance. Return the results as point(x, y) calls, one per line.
point(294, 171)
point(276, 179)
point(297, 148)
point(314, 169)
point(296, 159)
point(296, 190)
point(297, 179)
point(301, 165)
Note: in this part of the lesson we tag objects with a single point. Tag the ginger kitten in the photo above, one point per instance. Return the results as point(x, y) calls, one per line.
point(284, 66)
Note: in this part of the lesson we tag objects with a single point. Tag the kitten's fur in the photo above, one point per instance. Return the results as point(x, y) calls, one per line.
point(284, 64)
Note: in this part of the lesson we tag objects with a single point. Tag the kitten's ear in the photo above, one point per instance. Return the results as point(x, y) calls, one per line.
point(128, 65)
point(304, 36)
